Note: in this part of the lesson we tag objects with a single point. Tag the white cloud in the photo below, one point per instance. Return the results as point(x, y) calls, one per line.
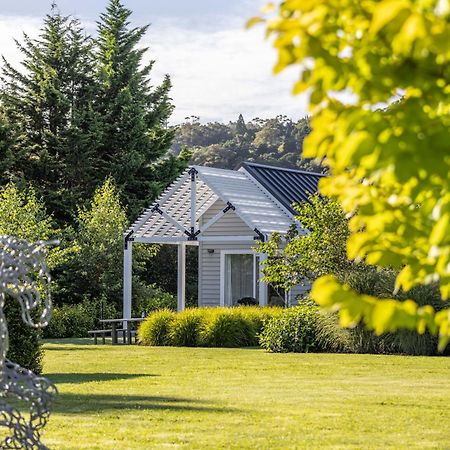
point(218, 70)
point(219, 74)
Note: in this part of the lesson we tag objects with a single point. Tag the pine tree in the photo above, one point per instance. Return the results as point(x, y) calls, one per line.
point(7, 155)
point(136, 138)
point(50, 101)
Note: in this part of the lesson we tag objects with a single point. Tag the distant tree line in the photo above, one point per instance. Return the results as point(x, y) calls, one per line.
point(277, 141)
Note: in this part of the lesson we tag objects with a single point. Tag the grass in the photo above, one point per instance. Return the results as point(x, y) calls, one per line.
point(163, 397)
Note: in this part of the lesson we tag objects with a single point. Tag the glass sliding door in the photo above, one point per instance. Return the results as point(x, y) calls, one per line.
point(240, 277)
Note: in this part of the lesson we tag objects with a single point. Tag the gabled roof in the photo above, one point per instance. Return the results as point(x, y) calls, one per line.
point(252, 204)
point(288, 186)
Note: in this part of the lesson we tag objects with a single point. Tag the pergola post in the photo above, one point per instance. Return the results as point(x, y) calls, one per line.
point(127, 277)
point(262, 285)
point(181, 279)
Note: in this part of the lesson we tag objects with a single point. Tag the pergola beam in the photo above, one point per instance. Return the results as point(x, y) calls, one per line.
point(163, 240)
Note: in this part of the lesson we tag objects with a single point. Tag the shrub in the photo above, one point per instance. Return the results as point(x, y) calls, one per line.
point(70, 321)
point(208, 327)
point(330, 337)
point(152, 298)
point(156, 328)
point(226, 327)
point(186, 328)
point(24, 341)
point(292, 331)
point(257, 317)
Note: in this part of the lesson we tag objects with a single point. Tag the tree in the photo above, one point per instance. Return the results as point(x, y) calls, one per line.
point(277, 141)
point(23, 215)
point(7, 156)
point(134, 114)
point(306, 256)
point(95, 274)
point(50, 102)
point(374, 53)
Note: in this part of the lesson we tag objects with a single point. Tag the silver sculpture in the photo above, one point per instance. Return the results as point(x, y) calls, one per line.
point(24, 276)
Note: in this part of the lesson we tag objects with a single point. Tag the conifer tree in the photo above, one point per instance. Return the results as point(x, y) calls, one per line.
point(50, 100)
point(136, 138)
point(7, 156)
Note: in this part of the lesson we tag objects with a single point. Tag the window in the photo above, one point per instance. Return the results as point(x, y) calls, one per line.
point(240, 276)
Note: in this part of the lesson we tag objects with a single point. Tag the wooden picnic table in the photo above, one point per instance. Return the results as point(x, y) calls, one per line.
point(127, 328)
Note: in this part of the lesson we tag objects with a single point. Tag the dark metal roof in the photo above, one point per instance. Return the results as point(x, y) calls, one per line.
point(288, 186)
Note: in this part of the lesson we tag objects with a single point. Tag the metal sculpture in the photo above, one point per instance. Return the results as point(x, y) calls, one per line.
point(24, 276)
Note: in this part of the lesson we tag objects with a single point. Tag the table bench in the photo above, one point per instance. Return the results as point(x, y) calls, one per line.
point(127, 331)
point(103, 333)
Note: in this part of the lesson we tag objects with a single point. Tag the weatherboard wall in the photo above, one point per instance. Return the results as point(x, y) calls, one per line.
point(209, 263)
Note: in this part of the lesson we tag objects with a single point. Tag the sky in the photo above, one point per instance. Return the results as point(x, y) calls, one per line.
point(218, 69)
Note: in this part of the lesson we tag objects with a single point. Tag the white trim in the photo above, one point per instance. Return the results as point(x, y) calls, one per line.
point(262, 284)
point(181, 277)
point(162, 199)
point(127, 281)
point(167, 204)
point(223, 253)
point(193, 199)
point(172, 221)
point(163, 240)
point(225, 200)
point(233, 239)
point(212, 221)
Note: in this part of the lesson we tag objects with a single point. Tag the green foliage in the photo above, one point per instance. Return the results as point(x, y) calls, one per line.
point(95, 274)
point(377, 51)
point(70, 321)
point(159, 271)
point(23, 215)
point(186, 328)
point(51, 105)
point(7, 150)
point(152, 298)
point(24, 342)
point(206, 327)
point(277, 141)
point(156, 328)
point(84, 110)
point(225, 328)
point(134, 112)
point(292, 331)
point(319, 251)
point(96, 271)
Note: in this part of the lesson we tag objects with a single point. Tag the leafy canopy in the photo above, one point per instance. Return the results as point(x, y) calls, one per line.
point(386, 145)
point(306, 256)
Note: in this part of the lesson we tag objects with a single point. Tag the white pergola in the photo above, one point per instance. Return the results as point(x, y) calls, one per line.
point(174, 218)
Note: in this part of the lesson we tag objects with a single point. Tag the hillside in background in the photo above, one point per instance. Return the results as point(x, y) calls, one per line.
point(277, 141)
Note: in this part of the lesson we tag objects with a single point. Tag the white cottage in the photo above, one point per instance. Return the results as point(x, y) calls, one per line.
point(224, 213)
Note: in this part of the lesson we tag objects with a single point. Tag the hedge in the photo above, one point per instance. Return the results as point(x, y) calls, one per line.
point(206, 327)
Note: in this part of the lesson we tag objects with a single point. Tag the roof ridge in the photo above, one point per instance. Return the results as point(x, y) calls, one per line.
point(285, 169)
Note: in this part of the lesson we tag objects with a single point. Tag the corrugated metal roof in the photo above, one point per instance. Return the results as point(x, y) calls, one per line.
point(288, 186)
point(252, 204)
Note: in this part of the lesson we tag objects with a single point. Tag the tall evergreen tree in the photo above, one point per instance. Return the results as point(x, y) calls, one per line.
point(51, 102)
point(136, 138)
point(7, 154)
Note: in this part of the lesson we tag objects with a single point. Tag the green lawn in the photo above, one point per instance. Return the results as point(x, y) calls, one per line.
point(142, 398)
